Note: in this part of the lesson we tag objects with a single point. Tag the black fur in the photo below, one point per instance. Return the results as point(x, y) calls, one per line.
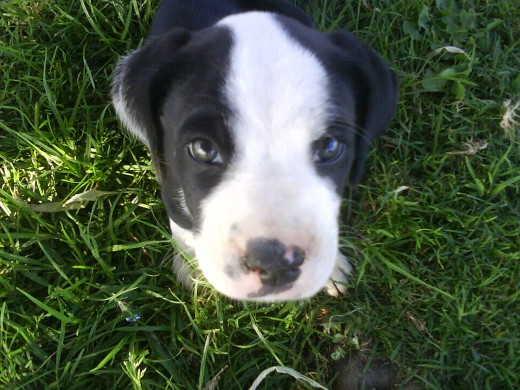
point(173, 84)
point(195, 15)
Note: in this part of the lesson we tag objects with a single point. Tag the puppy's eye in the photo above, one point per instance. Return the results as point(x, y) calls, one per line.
point(328, 149)
point(203, 150)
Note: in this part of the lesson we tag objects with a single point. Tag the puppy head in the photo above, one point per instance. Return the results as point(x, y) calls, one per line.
point(255, 126)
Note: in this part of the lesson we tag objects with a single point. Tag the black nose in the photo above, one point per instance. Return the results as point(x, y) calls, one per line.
point(276, 266)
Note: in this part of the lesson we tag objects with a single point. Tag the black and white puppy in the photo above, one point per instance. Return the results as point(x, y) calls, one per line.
point(255, 123)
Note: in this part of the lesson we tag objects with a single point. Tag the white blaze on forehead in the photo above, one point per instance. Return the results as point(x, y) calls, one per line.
point(277, 89)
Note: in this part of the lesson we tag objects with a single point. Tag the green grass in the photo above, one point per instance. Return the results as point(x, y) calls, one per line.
point(434, 235)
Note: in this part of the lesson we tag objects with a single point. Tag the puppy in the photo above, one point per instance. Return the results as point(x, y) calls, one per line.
point(255, 122)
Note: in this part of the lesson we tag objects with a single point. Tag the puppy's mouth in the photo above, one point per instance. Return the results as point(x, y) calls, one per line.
point(268, 290)
point(273, 283)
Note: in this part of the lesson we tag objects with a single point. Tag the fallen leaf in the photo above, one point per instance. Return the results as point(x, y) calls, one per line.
point(471, 148)
point(212, 384)
point(51, 207)
point(511, 119)
point(76, 202)
point(449, 49)
point(87, 196)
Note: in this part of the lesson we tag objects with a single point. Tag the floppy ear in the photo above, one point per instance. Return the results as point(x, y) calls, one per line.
point(376, 91)
point(139, 87)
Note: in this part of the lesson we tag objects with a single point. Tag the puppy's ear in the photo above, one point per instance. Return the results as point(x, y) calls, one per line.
point(375, 92)
point(139, 87)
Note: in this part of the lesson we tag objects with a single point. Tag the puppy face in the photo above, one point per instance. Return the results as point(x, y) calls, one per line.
point(255, 126)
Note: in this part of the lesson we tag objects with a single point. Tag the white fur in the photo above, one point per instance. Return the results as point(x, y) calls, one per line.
point(278, 90)
point(185, 238)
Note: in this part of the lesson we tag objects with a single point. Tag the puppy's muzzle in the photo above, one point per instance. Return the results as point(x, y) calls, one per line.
point(277, 265)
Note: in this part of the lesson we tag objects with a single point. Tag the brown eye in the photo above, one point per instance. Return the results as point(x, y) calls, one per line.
point(328, 149)
point(204, 151)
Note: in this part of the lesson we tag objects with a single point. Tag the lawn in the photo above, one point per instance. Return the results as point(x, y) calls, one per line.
point(87, 297)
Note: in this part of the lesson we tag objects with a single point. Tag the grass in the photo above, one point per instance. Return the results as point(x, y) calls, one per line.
point(87, 298)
